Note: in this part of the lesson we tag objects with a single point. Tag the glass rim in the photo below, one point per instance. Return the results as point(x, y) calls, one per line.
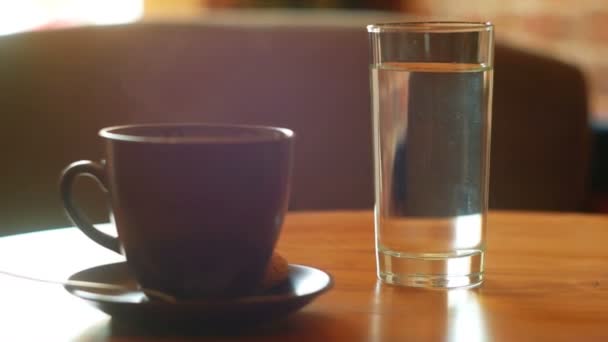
point(431, 26)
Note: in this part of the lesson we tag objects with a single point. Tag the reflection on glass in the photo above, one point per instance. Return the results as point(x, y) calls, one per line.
point(464, 235)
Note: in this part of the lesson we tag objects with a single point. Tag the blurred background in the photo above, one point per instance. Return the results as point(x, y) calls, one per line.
point(576, 34)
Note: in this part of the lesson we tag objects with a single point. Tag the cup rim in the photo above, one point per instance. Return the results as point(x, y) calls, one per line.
point(271, 133)
point(431, 26)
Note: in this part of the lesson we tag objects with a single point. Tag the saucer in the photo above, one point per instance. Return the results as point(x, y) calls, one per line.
point(303, 284)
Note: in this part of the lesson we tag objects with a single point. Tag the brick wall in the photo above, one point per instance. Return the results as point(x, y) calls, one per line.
point(574, 31)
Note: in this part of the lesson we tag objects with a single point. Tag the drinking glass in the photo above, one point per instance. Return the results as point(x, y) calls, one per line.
point(431, 86)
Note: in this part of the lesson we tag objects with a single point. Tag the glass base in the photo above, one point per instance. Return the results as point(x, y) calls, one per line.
point(422, 270)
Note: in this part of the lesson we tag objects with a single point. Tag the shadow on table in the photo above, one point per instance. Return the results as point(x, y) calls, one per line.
point(302, 326)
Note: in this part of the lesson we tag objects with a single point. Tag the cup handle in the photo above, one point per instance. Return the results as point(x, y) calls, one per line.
point(68, 176)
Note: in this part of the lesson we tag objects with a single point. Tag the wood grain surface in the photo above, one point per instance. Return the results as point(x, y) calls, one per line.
point(546, 280)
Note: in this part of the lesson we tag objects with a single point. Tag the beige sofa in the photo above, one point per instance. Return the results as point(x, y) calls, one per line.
point(58, 88)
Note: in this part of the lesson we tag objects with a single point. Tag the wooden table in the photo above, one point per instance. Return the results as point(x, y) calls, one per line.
point(547, 280)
